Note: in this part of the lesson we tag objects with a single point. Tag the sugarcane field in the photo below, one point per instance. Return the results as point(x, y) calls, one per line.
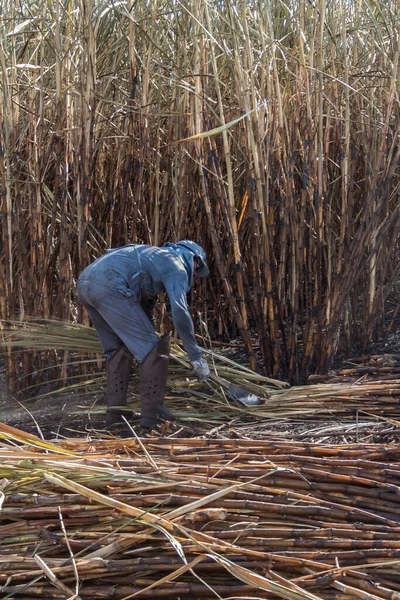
point(199, 300)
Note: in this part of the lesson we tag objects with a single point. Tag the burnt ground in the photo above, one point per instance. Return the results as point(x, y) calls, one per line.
point(51, 416)
point(80, 413)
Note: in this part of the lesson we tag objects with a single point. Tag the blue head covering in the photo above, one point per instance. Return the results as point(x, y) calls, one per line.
point(189, 251)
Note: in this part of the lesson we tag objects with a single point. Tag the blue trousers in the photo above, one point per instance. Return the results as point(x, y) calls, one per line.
point(118, 318)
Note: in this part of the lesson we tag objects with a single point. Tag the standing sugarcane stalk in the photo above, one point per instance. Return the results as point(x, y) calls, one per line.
point(297, 201)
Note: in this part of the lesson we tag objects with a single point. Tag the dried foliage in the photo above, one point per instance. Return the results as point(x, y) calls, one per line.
point(267, 131)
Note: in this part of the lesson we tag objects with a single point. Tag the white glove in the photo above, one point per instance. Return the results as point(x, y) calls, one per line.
point(200, 369)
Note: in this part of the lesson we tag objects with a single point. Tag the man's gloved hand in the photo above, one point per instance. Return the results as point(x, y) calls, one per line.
point(200, 369)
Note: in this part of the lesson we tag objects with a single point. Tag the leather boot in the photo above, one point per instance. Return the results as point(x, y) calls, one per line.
point(118, 369)
point(153, 383)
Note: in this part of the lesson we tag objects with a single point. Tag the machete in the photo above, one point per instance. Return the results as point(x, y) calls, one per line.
point(236, 392)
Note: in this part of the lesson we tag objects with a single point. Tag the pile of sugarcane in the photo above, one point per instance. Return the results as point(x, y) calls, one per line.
point(169, 518)
point(375, 366)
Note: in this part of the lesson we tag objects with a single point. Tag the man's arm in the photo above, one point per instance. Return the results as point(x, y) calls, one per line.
point(176, 289)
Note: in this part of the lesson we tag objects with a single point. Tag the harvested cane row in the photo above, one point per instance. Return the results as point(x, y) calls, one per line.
point(186, 518)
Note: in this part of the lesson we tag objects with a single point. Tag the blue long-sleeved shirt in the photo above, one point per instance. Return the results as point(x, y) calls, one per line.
point(145, 272)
